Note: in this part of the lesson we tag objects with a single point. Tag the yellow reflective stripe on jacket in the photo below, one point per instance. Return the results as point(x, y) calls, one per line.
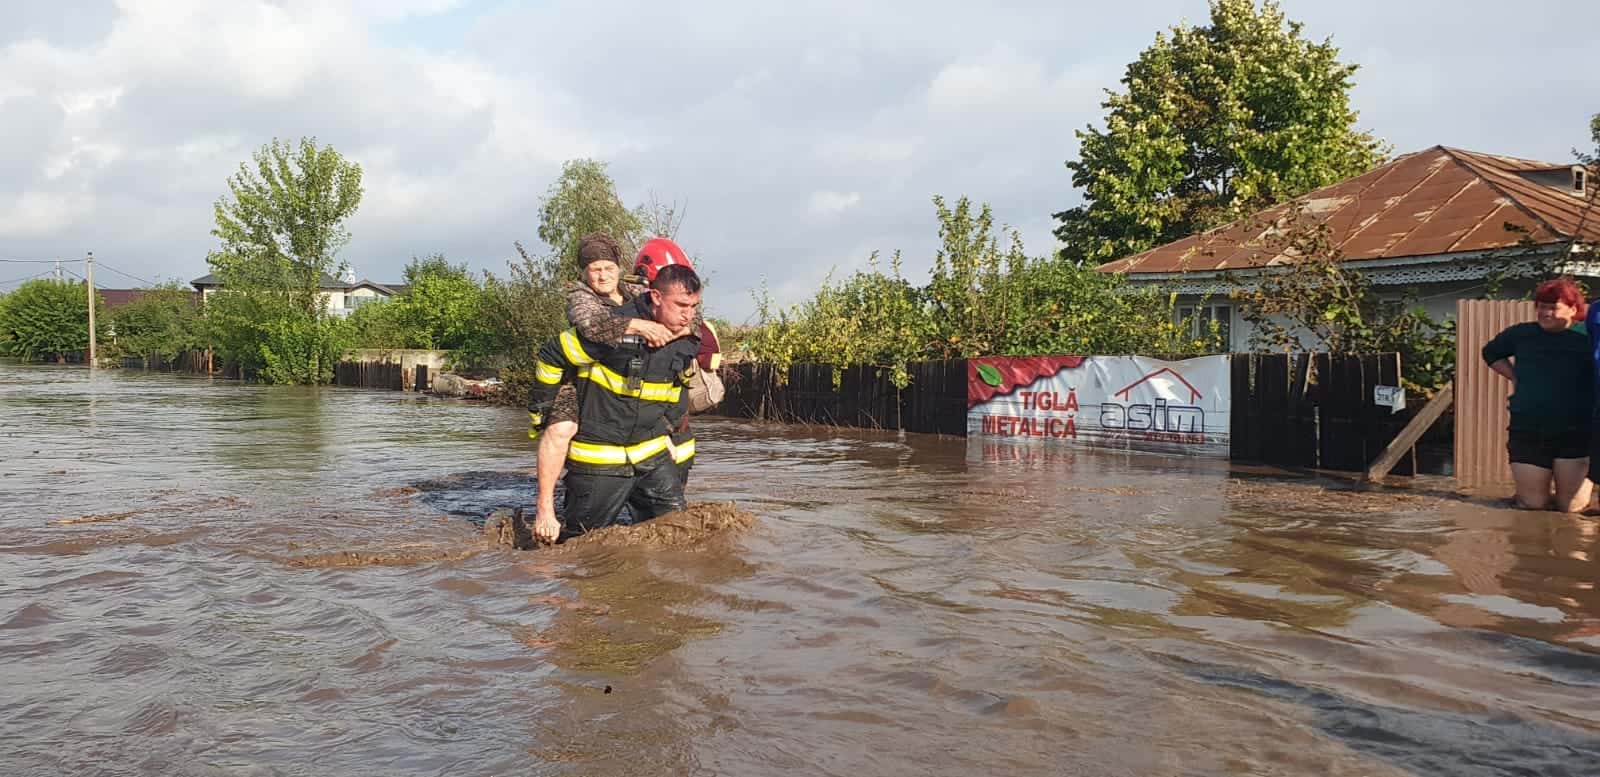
point(683, 451)
point(616, 384)
point(600, 453)
point(572, 348)
point(547, 374)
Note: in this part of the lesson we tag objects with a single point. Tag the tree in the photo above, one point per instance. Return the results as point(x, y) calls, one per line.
point(1216, 122)
point(966, 274)
point(521, 311)
point(47, 319)
point(1591, 159)
point(443, 303)
point(281, 231)
point(267, 336)
point(384, 324)
point(871, 318)
point(164, 322)
point(1325, 304)
point(583, 200)
point(659, 219)
point(284, 225)
point(981, 299)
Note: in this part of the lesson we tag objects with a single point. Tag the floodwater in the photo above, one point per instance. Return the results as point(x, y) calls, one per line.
point(201, 577)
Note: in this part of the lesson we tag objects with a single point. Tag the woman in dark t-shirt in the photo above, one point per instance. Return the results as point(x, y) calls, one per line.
point(1552, 394)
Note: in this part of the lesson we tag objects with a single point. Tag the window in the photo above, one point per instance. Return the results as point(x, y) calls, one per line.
point(1199, 319)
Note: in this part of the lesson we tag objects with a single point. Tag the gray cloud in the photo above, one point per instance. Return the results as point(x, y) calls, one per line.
point(68, 23)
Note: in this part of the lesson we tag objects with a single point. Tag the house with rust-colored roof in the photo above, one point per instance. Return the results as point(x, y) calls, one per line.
point(1436, 222)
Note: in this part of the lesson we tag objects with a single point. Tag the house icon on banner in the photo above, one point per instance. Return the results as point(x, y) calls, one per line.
point(1166, 378)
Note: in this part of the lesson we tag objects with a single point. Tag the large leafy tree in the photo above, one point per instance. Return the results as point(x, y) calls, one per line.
point(283, 225)
point(583, 200)
point(47, 319)
point(444, 301)
point(1216, 122)
point(281, 230)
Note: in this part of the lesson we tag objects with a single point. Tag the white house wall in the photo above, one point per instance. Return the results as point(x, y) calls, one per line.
point(333, 301)
point(1437, 300)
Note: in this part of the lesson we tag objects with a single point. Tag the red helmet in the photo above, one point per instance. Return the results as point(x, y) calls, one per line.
point(656, 253)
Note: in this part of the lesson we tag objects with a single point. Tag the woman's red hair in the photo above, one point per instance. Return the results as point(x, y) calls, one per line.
point(1565, 291)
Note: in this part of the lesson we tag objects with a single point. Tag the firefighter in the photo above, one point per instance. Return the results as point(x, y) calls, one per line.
point(597, 309)
point(705, 387)
point(631, 398)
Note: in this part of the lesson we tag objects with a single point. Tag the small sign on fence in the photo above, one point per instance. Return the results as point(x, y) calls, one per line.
point(1392, 397)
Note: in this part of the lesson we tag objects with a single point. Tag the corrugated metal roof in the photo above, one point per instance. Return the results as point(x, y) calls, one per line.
point(1437, 201)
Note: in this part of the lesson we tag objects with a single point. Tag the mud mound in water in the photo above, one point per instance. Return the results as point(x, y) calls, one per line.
point(1311, 497)
point(507, 528)
point(399, 557)
point(698, 525)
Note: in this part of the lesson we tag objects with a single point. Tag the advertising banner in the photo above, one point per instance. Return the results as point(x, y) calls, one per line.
point(1121, 402)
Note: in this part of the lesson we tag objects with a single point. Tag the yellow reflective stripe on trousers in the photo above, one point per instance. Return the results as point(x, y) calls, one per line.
point(683, 451)
point(546, 373)
point(616, 384)
point(600, 453)
point(573, 349)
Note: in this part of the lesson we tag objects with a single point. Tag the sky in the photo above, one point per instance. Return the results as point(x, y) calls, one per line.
point(797, 139)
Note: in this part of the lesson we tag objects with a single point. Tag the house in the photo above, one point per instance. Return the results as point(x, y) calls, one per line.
point(111, 299)
point(1438, 223)
point(339, 297)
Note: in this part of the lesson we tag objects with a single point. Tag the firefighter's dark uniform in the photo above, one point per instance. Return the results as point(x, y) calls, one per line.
point(630, 399)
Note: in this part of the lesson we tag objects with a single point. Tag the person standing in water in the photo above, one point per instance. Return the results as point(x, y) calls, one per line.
point(633, 396)
point(1552, 373)
point(594, 309)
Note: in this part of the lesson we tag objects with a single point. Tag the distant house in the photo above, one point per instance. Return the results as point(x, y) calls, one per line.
point(111, 299)
point(339, 297)
point(1438, 222)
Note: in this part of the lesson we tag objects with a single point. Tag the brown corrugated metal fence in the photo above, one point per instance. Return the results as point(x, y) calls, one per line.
point(1481, 395)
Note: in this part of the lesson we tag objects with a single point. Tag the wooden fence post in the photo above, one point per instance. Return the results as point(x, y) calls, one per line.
point(1402, 444)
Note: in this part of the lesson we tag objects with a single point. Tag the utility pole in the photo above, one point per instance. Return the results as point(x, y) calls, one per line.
point(58, 269)
point(89, 282)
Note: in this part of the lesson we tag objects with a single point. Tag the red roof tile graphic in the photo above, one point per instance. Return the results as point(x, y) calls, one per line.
point(1015, 372)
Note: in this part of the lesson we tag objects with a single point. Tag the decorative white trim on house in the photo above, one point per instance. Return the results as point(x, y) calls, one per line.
point(1404, 271)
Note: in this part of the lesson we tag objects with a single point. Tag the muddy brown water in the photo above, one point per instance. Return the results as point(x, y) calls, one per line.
point(201, 577)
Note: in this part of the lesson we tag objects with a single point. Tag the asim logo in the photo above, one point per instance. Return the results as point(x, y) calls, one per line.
point(1161, 417)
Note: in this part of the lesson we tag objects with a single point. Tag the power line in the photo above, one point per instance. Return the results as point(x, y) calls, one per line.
point(130, 275)
point(37, 261)
point(26, 278)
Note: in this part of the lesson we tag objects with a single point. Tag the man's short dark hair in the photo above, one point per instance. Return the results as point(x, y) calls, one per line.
point(676, 276)
point(598, 247)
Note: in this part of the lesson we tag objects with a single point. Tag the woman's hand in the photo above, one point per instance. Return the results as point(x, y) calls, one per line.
point(653, 333)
